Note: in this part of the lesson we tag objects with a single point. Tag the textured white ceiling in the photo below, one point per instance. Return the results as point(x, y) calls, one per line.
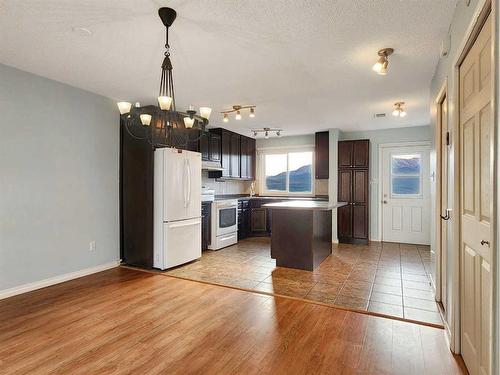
point(305, 64)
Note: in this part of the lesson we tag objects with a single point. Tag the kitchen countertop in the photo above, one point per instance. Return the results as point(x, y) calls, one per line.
point(305, 205)
point(247, 197)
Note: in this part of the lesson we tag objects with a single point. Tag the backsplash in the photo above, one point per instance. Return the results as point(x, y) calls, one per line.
point(226, 186)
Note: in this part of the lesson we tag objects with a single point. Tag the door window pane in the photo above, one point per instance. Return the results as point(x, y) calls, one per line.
point(406, 164)
point(275, 172)
point(300, 169)
point(406, 174)
point(406, 185)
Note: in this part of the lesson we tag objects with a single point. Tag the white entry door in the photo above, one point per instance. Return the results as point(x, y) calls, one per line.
point(406, 194)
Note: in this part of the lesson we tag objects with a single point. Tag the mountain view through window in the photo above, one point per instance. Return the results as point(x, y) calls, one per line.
point(290, 172)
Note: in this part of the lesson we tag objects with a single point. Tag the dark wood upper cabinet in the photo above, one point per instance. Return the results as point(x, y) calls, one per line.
point(226, 153)
point(243, 157)
point(353, 188)
point(215, 147)
point(235, 155)
point(247, 158)
point(205, 146)
point(345, 154)
point(354, 154)
point(251, 160)
point(321, 152)
point(361, 153)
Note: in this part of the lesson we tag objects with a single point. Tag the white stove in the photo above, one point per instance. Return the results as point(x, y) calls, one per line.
point(224, 224)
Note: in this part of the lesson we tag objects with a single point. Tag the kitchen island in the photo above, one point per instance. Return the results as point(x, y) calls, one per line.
point(301, 233)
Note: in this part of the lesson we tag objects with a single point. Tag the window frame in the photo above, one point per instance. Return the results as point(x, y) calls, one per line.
point(419, 175)
point(261, 168)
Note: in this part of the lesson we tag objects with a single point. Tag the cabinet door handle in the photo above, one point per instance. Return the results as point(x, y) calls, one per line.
point(484, 242)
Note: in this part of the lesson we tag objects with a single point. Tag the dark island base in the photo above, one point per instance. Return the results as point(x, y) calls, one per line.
point(301, 238)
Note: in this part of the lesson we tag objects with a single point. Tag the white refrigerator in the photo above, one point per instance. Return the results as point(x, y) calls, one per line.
point(177, 207)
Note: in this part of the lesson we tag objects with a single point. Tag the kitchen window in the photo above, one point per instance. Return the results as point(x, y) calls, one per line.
point(287, 172)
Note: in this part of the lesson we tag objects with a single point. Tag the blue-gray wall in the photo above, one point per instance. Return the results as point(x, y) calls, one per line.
point(376, 137)
point(59, 174)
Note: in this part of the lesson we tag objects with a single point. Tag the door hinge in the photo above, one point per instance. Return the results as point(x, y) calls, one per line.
point(447, 138)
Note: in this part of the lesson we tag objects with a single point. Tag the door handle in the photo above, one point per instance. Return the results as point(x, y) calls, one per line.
point(384, 202)
point(484, 242)
point(447, 215)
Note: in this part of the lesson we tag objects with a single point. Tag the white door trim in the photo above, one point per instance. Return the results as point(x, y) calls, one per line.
point(480, 15)
point(380, 197)
point(440, 275)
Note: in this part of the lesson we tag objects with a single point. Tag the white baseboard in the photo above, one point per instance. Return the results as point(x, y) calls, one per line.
point(335, 241)
point(56, 280)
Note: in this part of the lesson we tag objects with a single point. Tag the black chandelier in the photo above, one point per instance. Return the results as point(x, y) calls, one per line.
point(159, 124)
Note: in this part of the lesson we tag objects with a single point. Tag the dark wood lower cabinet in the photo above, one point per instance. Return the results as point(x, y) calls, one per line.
point(258, 221)
point(206, 216)
point(353, 188)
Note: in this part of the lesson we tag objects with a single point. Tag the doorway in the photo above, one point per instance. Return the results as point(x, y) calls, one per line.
point(476, 201)
point(405, 211)
point(439, 257)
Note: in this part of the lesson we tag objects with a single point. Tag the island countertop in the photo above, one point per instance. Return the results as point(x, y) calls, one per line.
point(305, 205)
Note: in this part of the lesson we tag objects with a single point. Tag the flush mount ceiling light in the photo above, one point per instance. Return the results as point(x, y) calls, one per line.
point(399, 110)
point(380, 66)
point(237, 109)
point(266, 132)
point(164, 116)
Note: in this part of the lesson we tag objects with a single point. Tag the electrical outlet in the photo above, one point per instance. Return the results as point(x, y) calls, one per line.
point(92, 246)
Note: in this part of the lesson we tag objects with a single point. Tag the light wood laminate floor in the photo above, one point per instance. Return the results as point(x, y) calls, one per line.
point(383, 278)
point(124, 321)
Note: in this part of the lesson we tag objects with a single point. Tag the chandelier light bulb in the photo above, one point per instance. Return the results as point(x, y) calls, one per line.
point(402, 114)
point(238, 115)
point(395, 113)
point(124, 107)
point(137, 105)
point(252, 112)
point(205, 112)
point(188, 122)
point(165, 102)
point(226, 118)
point(145, 119)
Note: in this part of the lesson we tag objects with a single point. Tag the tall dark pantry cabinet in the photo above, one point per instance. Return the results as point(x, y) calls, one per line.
point(353, 188)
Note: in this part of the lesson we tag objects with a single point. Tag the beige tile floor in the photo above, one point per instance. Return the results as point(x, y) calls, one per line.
point(386, 278)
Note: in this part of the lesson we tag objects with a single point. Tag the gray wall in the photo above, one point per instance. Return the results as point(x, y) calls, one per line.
point(59, 173)
point(376, 137)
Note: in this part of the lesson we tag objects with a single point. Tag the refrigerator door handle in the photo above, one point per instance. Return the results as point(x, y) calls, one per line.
point(185, 223)
point(184, 178)
point(189, 182)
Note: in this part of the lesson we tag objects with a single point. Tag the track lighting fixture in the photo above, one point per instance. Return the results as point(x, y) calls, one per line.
point(380, 66)
point(237, 109)
point(266, 131)
point(399, 110)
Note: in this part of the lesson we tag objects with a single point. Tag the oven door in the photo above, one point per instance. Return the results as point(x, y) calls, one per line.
point(227, 218)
